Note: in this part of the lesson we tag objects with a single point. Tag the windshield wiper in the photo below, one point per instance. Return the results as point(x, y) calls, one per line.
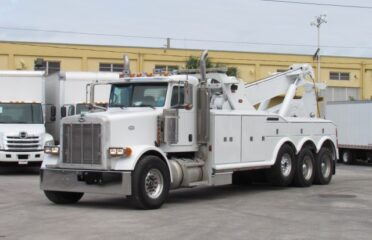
point(146, 105)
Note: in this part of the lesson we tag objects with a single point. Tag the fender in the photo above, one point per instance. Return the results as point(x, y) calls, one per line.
point(321, 142)
point(302, 142)
point(277, 148)
point(50, 160)
point(129, 163)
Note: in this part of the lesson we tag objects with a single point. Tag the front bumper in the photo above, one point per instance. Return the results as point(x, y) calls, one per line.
point(21, 157)
point(86, 181)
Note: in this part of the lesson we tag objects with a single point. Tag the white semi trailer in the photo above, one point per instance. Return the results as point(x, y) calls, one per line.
point(67, 92)
point(167, 132)
point(22, 130)
point(354, 124)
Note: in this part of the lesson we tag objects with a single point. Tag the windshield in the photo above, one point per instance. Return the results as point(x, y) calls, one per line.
point(30, 113)
point(138, 95)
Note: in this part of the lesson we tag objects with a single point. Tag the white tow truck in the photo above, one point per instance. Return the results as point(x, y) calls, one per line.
point(195, 129)
point(22, 130)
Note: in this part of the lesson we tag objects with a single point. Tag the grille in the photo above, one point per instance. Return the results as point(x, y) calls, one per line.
point(82, 144)
point(28, 143)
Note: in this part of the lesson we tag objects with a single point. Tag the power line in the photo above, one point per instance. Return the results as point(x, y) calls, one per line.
point(184, 39)
point(319, 4)
point(79, 33)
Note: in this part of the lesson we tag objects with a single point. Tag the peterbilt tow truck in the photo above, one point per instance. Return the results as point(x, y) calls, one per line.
point(195, 129)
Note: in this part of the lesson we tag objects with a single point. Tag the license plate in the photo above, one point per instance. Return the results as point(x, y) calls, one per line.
point(22, 162)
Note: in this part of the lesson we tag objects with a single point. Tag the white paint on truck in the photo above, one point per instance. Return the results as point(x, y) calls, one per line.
point(193, 129)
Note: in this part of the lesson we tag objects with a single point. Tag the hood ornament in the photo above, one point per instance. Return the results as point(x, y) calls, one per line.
point(81, 118)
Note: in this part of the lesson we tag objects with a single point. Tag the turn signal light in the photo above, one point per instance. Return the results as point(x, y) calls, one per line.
point(54, 150)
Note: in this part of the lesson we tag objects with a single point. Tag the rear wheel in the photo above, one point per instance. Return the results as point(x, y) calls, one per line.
point(347, 157)
point(323, 167)
point(282, 172)
point(63, 197)
point(151, 182)
point(305, 168)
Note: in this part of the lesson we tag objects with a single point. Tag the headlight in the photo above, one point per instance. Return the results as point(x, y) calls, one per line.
point(49, 143)
point(54, 150)
point(117, 152)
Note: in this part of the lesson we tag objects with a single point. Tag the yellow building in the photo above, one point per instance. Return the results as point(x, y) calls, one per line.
point(346, 77)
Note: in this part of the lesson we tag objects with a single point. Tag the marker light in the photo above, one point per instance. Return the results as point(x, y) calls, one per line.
point(54, 150)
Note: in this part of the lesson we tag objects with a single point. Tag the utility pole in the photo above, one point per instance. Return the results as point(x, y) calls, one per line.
point(168, 43)
point(317, 22)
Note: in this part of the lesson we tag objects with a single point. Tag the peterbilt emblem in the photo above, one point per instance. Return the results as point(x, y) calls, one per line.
point(23, 134)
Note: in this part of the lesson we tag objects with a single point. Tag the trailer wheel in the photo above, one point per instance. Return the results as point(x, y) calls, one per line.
point(151, 183)
point(323, 167)
point(282, 172)
point(305, 168)
point(63, 197)
point(347, 157)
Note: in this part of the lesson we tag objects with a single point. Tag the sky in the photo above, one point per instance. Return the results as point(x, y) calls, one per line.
point(238, 25)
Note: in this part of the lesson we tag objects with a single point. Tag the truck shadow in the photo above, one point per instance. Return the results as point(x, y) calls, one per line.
point(19, 170)
point(184, 196)
point(215, 193)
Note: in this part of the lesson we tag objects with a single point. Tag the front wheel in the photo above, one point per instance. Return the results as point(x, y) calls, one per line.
point(151, 183)
point(282, 172)
point(324, 165)
point(63, 197)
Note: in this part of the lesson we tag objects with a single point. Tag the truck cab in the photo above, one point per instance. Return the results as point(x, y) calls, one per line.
point(22, 130)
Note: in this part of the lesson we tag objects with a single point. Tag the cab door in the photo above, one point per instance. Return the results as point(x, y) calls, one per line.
point(186, 114)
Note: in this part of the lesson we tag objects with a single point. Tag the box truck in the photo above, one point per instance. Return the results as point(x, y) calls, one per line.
point(22, 105)
point(68, 91)
point(354, 124)
point(198, 128)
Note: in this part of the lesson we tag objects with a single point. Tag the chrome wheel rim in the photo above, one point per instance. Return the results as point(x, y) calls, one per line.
point(325, 166)
point(346, 157)
point(307, 168)
point(286, 165)
point(154, 183)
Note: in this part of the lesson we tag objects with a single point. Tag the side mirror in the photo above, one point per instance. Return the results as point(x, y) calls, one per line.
point(53, 113)
point(71, 110)
point(188, 95)
point(63, 111)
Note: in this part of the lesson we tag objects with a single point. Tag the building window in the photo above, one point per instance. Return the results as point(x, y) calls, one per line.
point(49, 67)
point(339, 75)
point(165, 68)
point(111, 67)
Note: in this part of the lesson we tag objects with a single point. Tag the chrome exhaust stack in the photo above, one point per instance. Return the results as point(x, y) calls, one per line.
point(203, 105)
point(126, 70)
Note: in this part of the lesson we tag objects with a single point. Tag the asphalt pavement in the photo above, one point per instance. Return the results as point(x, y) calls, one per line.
point(341, 210)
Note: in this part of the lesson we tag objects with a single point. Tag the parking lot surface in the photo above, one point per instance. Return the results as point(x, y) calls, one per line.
point(341, 210)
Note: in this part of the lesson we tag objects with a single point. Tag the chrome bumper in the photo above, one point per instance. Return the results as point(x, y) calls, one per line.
point(86, 181)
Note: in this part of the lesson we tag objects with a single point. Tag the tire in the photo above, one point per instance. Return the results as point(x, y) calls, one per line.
point(282, 172)
point(150, 183)
point(63, 197)
point(323, 167)
point(347, 157)
point(304, 168)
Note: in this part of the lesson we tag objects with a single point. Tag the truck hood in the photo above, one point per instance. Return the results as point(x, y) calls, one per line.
point(15, 129)
point(124, 127)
